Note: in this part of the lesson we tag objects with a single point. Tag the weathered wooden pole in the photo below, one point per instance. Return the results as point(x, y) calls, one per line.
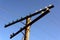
point(27, 29)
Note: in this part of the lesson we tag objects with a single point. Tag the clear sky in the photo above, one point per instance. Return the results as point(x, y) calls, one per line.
point(47, 28)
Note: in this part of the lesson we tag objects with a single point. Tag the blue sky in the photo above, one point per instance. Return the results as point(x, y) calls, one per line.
point(47, 28)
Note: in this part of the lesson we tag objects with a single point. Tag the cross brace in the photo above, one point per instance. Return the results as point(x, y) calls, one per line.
point(50, 6)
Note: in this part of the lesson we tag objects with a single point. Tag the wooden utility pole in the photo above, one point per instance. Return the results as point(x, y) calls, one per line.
point(27, 29)
point(29, 22)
